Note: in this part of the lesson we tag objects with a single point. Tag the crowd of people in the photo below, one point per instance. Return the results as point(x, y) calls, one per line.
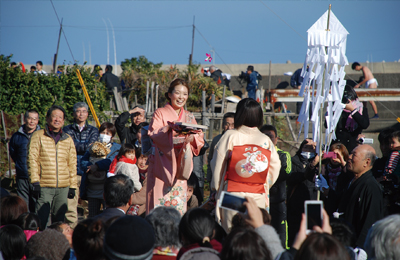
point(142, 199)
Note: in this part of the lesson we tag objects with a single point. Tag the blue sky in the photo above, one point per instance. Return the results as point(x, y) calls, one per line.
point(242, 32)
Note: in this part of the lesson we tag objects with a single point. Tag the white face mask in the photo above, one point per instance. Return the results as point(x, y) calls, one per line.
point(308, 155)
point(104, 138)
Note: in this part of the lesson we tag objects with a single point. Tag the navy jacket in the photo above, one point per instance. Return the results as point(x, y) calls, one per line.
point(82, 140)
point(296, 79)
point(126, 134)
point(19, 151)
point(111, 81)
point(252, 82)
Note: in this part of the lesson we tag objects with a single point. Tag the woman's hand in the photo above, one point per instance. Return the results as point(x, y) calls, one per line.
point(254, 215)
point(301, 235)
point(349, 106)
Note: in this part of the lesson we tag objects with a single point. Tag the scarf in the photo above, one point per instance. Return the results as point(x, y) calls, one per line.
point(113, 164)
point(351, 124)
point(333, 174)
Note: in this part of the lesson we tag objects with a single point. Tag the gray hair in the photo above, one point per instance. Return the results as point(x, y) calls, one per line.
point(382, 242)
point(212, 68)
point(165, 221)
point(79, 105)
point(26, 115)
point(370, 155)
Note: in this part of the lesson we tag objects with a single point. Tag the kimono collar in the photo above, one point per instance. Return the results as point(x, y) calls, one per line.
point(248, 130)
point(180, 112)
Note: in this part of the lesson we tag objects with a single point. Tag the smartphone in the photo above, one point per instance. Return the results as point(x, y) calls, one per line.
point(313, 210)
point(233, 202)
point(330, 155)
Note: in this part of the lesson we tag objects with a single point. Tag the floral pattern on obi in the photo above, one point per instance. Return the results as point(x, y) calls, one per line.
point(175, 197)
point(255, 162)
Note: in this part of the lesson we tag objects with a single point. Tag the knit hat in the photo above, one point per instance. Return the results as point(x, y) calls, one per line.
point(49, 244)
point(129, 238)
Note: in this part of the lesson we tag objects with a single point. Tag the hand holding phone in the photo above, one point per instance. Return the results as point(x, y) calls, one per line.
point(330, 155)
point(313, 211)
point(233, 202)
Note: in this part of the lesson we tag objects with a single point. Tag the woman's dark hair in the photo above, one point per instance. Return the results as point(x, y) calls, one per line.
point(28, 221)
point(126, 148)
point(341, 148)
point(174, 83)
point(349, 94)
point(195, 226)
point(243, 243)
point(11, 208)
point(192, 181)
point(12, 242)
point(343, 231)
point(248, 113)
point(165, 222)
point(109, 126)
point(322, 246)
point(87, 239)
point(57, 226)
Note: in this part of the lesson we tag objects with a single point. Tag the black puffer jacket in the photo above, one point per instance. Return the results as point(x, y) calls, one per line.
point(126, 134)
point(218, 75)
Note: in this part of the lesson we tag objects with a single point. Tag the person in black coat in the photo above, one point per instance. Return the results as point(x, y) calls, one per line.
point(129, 134)
point(111, 80)
point(118, 195)
point(18, 148)
point(300, 185)
point(216, 74)
point(353, 120)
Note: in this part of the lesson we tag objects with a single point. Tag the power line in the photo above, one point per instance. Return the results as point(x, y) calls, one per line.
point(65, 36)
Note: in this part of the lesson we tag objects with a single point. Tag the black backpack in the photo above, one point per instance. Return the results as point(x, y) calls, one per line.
point(259, 77)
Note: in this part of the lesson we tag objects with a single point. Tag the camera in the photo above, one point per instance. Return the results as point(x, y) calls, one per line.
point(243, 75)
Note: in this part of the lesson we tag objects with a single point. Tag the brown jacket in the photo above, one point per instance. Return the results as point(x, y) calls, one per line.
point(53, 165)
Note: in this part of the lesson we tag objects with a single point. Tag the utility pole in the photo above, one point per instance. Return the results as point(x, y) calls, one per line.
point(58, 45)
point(191, 54)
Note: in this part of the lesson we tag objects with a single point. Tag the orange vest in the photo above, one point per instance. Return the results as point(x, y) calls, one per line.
point(248, 169)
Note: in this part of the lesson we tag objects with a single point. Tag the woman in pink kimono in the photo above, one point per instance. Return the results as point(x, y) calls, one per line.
point(245, 161)
point(170, 163)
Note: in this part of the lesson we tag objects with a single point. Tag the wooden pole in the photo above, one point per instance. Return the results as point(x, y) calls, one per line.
point(152, 96)
point(268, 118)
point(58, 45)
point(210, 133)
point(147, 96)
point(191, 54)
point(156, 101)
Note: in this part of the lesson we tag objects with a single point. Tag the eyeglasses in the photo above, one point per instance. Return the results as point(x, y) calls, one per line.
point(81, 111)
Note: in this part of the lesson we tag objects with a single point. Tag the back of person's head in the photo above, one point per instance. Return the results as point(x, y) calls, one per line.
point(244, 244)
point(126, 148)
point(109, 68)
point(354, 65)
point(57, 226)
point(196, 226)
point(49, 244)
point(248, 113)
point(385, 134)
point(319, 246)
point(165, 221)
point(382, 242)
point(129, 237)
point(28, 221)
point(118, 190)
point(228, 115)
point(12, 242)
point(344, 232)
point(87, 239)
point(11, 208)
point(251, 68)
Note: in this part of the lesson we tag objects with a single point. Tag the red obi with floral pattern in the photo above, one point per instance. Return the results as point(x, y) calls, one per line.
point(248, 169)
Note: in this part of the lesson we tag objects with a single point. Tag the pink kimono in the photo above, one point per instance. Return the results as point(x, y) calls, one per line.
point(163, 187)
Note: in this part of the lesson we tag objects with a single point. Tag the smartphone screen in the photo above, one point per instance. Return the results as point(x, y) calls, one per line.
point(230, 201)
point(314, 215)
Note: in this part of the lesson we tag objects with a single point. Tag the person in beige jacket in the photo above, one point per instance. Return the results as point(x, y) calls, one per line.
point(52, 167)
point(245, 161)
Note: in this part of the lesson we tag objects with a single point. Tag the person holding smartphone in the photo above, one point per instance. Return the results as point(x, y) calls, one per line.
point(353, 120)
point(245, 161)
